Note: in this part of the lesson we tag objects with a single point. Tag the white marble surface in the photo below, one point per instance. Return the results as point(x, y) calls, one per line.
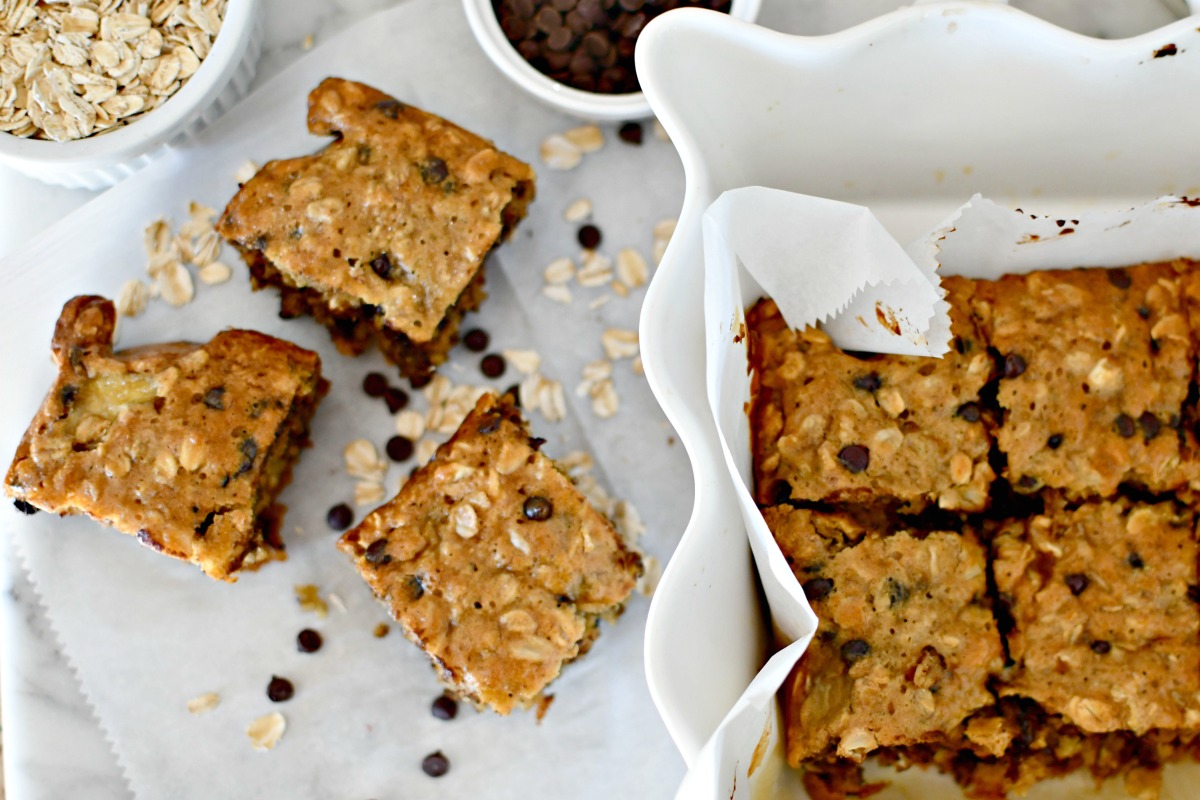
point(57, 749)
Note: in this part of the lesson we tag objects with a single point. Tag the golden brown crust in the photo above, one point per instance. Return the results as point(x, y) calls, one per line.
point(493, 562)
point(903, 414)
point(396, 215)
point(184, 446)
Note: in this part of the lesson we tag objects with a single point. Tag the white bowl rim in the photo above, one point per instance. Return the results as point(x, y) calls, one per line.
point(147, 131)
point(486, 26)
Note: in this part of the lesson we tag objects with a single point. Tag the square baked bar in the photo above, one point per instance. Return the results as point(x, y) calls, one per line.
point(184, 446)
point(1105, 630)
point(906, 639)
point(493, 562)
point(382, 235)
point(1096, 369)
point(831, 426)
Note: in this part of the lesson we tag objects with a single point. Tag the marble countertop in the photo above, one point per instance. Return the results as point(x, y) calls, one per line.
point(57, 749)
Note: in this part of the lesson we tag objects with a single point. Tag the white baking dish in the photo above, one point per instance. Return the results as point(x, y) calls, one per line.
point(909, 114)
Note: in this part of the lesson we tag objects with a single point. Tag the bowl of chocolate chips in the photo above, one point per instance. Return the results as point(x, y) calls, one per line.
point(577, 55)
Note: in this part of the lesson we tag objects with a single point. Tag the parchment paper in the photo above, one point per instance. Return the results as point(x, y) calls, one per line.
point(745, 757)
point(146, 634)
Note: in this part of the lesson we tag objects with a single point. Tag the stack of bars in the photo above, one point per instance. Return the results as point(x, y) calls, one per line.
point(1000, 545)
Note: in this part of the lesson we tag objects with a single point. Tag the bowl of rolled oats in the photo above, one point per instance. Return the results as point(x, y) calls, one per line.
point(93, 90)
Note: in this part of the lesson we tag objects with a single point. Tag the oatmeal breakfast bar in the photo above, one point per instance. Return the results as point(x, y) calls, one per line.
point(493, 562)
point(1105, 630)
point(1096, 366)
point(906, 639)
point(184, 446)
point(382, 235)
point(838, 427)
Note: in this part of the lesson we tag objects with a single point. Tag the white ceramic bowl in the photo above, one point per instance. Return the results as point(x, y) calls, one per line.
point(909, 114)
point(587, 105)
point(98, 162)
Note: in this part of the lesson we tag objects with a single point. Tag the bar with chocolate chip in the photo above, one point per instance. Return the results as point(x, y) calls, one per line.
point(1095, 370)
point(833, 426)
point(906, 640)
point(493, 562)
point(184, 446)
point(382, 235)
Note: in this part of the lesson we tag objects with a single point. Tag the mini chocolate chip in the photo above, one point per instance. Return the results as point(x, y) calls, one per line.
point(630, 132)
point(1101, 647)
point(490, 425)
point(537, 508)
point(1134, 560)
point(968, 411)
point(1076, 582)
point(897, 592)
point(435, 765)
point(855, 649)
point(214, 398)
point(249, 452)
point(391, 107)
point(1055, 441)
point(420, 381)
point(1149, 424)
point(399, 448)
point(24, 507)
point(382, 265)
point(1119, 278)
point(375, 384)
point(514, 393)
point(1027, 482)
point(536, 442)
point(67, 395)
point(492, 365)
point(1143, 312)
point(205, 524)
point(377, 552)
point(854, 457)
point(780, 492)
point(1014, 365)
point(476, 340)
point(416, 589)
point(280, 690)
point(817, 589)
point(395, 398)
point(339, 517)
point(589, 237)
point(1193, 593)
point(1123, 425)
point(434, 170)
point(868, 383)
point(445, 707)
point(308, 641)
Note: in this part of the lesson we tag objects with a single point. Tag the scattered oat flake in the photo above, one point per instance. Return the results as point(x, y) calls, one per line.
point(368, 493)
point(620, 289)
point(637, 367)
point(604, 399)
point(410, 424)
point(205, 702)
point(266, 731)
point(559, 271)
point(632, 268)
point(309, 598)
point(596, 269)
point(363, 461)
point(245, 172)
point(619, 343)
point(214, 273)
point(337, 602)
point(308, 42)
point(593, 373)
point(525, 362)
point(132, 298)
point(558, 152)
point(588, 138)
point(559, 294)
point(599, 301)
point(175, 284)
point(578, 211)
